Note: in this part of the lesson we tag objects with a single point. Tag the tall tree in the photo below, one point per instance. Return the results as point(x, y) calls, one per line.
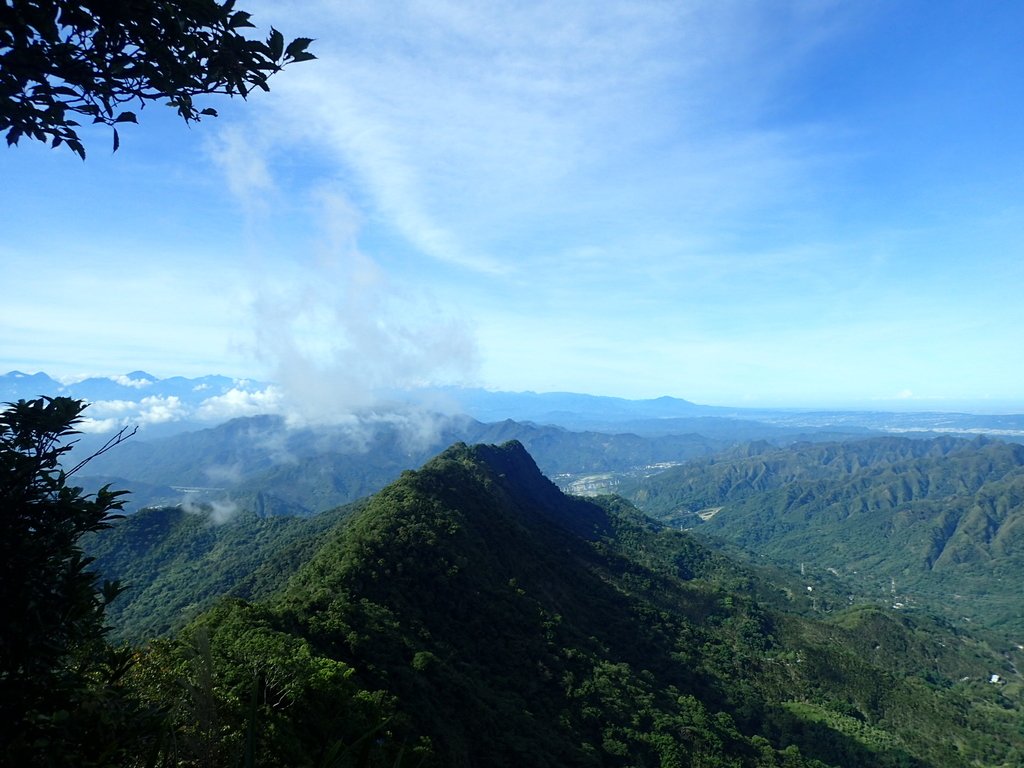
point(60, 700)
point(66, 60)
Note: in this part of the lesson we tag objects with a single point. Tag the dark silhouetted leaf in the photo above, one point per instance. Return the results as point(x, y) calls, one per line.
point(276, 44)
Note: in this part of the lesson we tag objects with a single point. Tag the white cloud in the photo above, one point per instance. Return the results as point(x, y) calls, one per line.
point(222, 511)
point(239, 402)
point(719, 179)
point(159, 410)
point(126, 381)
point(108, 415)
point(470, 124)
point(217, 512)
point(337, 330)
point(89, 425)
point(492, 138)
point(241, 157)
point(112, 408)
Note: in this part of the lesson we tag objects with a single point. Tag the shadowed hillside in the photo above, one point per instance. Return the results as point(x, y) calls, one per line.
point(500, 622)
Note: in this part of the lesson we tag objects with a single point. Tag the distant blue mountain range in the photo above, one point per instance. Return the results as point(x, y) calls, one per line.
point(131, 387)
point(157, 406)
point(177, 404)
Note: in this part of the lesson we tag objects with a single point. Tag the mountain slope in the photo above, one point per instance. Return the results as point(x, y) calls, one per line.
point(469, 614)
point(518, 626)
point(176, 563)
point(938, 522)
point(321, 468)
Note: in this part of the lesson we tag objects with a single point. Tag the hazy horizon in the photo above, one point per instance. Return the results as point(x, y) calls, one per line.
point(897, 405)
point(750, 205)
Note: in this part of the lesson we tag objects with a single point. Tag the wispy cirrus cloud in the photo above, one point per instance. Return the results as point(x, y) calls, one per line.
point(571, 178)
point(470, 127)
point(523, 163)
point(631, 198)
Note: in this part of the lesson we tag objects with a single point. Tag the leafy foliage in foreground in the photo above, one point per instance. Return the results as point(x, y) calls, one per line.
point(62, 694)
point(61, 61)
point(238, 690)
point(479, 617)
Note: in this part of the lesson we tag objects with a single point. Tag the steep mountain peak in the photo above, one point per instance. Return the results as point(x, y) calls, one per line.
point(23, 375)
point(510, 459)
point(480, 508)
point(16, 385)
point(510, 468)
point(462, 599)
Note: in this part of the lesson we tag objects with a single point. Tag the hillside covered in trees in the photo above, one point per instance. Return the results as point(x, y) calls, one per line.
point(309, 469)
point(471, 614)
point(936, 523)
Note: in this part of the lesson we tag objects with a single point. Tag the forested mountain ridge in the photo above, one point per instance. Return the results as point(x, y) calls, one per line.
point(758, 467)
point(497, 622)
point(175, 563)
point(938, 522)
point(317, 468)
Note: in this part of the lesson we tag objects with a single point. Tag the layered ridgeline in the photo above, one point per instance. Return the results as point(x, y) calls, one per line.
point(470, 614)
point(176, 562)
point(310, 469)
point(921, 522)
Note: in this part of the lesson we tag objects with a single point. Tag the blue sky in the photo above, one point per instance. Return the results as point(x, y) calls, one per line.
point(738, 203)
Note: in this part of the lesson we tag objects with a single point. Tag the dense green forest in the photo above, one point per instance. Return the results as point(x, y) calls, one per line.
point(472, 614)
point(934, 523)
point(468, 614)
point(308, 470)
point(176, 563)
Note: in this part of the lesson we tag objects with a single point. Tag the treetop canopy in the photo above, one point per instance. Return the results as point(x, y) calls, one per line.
point(62, 61)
